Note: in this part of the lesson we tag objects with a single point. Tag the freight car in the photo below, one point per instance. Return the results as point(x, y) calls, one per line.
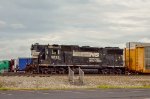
point(14, 65)
point(6, 66)
point(48, 59)
point(137, 57)
point(22, 62)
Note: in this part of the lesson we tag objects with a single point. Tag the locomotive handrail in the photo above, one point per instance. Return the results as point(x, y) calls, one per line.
point(81, 76)
point(71, 75)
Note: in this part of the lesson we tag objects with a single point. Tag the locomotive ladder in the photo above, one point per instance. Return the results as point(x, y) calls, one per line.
point(76, 80)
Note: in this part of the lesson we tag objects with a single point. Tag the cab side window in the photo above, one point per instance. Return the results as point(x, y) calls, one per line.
point(55, 51)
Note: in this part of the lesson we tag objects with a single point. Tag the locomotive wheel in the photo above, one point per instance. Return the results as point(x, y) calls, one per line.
point(111, 71)
point(53, 71)
point(45, 71)
point(99, 71)
point(118, 71)
point(105, 71)
point(61, 71)
point(33, 71)
point(49, 71)
point(42, 70)
point(127, 72)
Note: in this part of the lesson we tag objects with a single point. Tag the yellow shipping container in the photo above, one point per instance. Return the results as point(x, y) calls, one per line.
point(137, 57)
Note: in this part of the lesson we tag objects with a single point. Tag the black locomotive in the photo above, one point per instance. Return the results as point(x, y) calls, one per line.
point(48, 59)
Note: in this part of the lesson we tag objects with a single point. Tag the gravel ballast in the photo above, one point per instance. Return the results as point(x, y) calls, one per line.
point(61, 82)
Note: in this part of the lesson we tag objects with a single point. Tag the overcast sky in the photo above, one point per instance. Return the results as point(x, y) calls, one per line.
point(80, 22)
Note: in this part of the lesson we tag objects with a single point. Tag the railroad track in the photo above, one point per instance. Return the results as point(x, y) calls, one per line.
point(30, 75)
point(49, 75)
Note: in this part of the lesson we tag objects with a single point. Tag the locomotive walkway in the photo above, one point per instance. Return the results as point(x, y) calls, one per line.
point(78, 94)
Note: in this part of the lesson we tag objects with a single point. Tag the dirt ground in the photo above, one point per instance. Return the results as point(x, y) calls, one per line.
point(61, 82)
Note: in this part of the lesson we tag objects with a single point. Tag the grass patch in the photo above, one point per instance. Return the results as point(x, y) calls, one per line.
point(4, 89)
point(99, 87)
point(121, 87)
point(34, 89)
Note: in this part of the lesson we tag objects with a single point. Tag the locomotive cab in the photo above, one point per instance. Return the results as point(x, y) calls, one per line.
point(53, 54)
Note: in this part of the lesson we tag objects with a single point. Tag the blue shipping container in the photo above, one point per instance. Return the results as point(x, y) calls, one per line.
point(22, 63)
